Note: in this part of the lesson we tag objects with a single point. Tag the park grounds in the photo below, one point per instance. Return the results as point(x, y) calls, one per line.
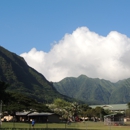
point(87, 125)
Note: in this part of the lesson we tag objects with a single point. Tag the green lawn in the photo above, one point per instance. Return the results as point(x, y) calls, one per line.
point(86, 126)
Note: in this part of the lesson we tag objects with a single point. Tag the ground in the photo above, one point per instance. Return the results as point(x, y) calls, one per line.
point(88, 125)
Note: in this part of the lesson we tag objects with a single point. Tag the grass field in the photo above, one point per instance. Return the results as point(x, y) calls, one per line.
point(81, 125)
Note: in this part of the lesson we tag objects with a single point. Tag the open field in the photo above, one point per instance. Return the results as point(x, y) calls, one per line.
point(80, 125)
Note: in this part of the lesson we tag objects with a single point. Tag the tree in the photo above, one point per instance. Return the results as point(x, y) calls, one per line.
point(61, 107)
point(128, 104)
point(90, 112)
point(75, 110)
point(19, 102)
point(3, 94)
point(84, 108)
point(128, 111)
point(60, 103)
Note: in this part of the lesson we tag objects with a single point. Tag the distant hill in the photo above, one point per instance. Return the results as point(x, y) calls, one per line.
point(95, 91)
point(27, 81)
point(24, 79)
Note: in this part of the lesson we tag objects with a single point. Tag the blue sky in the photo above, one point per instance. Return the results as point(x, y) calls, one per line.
point(43, 28)
point(25, 24)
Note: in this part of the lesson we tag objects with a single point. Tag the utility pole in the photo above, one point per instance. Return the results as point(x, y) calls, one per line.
point(0, 113)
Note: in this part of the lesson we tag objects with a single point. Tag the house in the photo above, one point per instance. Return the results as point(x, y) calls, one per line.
point(44, 117)
point(113, 107)
point(7, 118)
point(114, 119)
point(21, 116)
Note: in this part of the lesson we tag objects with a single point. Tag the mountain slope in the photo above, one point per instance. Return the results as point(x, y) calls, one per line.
point(86, 89)
point(24, 79)
point(95, 91)
point(122, 93)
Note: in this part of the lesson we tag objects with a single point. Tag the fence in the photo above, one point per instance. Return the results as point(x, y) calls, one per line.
point(41, 126)
point(88, 125)
point(38, 129)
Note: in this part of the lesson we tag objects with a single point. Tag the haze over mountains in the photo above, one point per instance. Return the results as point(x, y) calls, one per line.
point(24, 79)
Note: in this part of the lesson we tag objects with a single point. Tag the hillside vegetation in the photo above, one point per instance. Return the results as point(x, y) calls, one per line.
point(24, 79)
point(95, 91)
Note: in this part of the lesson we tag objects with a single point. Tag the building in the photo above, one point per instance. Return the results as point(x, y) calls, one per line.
point(38, 117)
point(22, 116)
point(114, 119)
point(113, 107)
point(44, 117)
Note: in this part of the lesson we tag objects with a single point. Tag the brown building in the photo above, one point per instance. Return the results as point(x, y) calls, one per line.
point(44, 117)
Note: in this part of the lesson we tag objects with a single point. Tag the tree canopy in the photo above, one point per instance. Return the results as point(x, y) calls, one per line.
point(3, 94)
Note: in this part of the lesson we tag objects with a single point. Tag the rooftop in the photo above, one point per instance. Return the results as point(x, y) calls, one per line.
point(113, 107)
point(40, 114)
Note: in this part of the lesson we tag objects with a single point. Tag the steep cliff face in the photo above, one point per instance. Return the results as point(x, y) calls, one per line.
point(24, 79)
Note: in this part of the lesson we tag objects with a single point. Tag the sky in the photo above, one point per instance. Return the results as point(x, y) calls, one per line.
point(67, 38)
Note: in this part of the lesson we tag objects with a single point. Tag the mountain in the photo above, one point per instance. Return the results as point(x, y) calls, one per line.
point(27, 81)
point(122, 92)
point(95, 91)
point(24, 79)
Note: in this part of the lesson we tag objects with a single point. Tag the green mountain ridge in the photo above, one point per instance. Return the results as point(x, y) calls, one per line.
point(95, 91)
point(26, 80)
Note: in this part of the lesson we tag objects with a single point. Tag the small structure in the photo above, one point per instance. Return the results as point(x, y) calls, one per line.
point(21, 116)
point(44, 117)
point(114, 119)
point(118, 108)
point(7, 118)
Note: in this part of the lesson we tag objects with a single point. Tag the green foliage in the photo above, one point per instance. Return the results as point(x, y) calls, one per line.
point(68, 109)
point(60, 107)
point(3, 94)
point(25, 80)
point(128, 104)
point(18, 102)
point(95, 91)
point(61, 103)
point(14, 102)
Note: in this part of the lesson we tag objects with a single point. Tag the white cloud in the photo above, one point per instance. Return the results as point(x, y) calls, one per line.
point(84, 52)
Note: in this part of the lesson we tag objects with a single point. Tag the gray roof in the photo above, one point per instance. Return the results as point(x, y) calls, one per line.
point(110, 115)
point(112, 106)
point(22, 113)
point(40, 114)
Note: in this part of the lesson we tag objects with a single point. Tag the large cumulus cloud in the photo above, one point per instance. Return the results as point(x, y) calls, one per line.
point(84, 52)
